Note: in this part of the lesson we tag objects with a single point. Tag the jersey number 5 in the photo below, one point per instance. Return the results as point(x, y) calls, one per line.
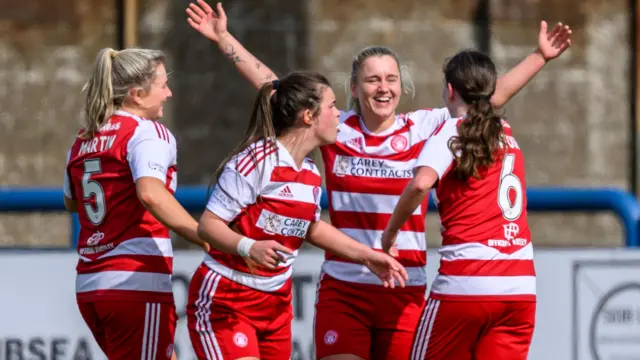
point(91, 188)
point(508, 181)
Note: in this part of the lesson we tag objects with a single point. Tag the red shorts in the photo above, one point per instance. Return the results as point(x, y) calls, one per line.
point(464, 330)
point(368, 321)
point(131, 330)
point(228, 320)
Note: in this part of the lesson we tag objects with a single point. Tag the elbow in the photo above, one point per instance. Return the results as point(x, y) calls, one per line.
point(201, 231)
point(147, 197)
point(420, 186)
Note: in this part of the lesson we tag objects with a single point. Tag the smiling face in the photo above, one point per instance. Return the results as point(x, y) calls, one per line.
point(378, 87)
point(151, 101)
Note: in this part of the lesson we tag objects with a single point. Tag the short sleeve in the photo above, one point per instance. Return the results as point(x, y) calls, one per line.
point(231, 195)
point(428, 120)
point(66, 188)
point(436, 154)
point(151, 151)
point(318, 207)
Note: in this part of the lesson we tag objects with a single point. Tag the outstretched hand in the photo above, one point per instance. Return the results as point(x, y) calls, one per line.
point(212, 24)
point(389, 270)
point(553, 43)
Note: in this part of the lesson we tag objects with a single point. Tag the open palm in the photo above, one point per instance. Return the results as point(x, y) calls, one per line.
point(553, 43)
point(211, 24)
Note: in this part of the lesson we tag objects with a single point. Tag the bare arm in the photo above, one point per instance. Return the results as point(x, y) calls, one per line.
point(332, 240)
point(412, 196)
point(165, 208)
point(550, 45)
point(216, 231)
point(213, 25)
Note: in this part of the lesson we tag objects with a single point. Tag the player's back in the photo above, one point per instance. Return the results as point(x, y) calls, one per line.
point(119, 239)
point(487, 249)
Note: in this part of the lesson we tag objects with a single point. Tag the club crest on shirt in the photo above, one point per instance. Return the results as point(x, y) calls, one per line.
point(272, 223)
point(399, 143)
point(341, 165)
point(316, 193)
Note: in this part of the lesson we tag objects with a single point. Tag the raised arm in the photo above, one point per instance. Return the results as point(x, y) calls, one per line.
point(213, 25)
point(550, 45)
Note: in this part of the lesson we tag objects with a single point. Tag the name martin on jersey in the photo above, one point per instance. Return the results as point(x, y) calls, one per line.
point(375, 168)
point(98, 143)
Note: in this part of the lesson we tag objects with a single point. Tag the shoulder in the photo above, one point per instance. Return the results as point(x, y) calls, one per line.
point(448, 128)
point(427, 114)
point(310, 165)
point(259, 155)
point(153, 130)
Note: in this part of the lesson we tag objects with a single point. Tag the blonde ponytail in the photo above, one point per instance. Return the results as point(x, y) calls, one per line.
point(99, 98)
point(114, 73)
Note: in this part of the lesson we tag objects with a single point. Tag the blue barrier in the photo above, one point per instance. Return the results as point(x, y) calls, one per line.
point(194, 198)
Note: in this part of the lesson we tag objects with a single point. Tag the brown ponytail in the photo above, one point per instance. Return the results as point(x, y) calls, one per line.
point(276, 109)
point(473, 76)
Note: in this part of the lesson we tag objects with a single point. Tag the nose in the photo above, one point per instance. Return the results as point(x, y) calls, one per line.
point(384, 86)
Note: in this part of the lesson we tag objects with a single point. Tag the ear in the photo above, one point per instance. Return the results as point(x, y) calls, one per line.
point(354, 89)
point(307, 117)
point(451, 94)
point(136, 94)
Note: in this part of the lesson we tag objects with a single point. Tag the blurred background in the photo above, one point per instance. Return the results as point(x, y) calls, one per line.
point(577, 123)
point(574, 121)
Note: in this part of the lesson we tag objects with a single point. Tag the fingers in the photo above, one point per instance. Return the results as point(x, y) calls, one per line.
point(564, 35)
point(221, 12)
point(193, 23)
point(556, 29)
point(193, 17)
point(543, 27)
point(279, 247)
point(196, 9)
point(270, 260)
point(398, 277)
point(207, 9)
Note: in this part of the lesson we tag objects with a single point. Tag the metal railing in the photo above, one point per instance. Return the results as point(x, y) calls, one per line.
point(194, 198)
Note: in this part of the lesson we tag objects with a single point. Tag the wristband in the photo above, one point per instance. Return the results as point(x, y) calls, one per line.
point(244, 246)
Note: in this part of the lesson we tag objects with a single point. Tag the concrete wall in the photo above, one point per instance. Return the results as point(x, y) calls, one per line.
point(572, 121)
point(46, 52)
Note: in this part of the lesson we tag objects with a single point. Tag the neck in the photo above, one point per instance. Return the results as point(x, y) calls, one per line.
point(376, 124)
point(133, 111)
point(458, 110)
point(298, 144)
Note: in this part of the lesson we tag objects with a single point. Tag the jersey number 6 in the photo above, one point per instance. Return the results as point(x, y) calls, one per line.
point(510, 210)
point(92, 188)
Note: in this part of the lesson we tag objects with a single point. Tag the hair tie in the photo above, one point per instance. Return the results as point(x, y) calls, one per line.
point(275, 84)
point(113, 53)
point(490, 95)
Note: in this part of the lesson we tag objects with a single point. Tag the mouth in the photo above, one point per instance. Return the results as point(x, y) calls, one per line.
point(382, 99)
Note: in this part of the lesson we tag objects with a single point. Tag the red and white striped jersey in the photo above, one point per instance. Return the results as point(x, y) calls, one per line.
point(487, 252)
point(125, 253)
point(365, 176)
point(264, 196)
